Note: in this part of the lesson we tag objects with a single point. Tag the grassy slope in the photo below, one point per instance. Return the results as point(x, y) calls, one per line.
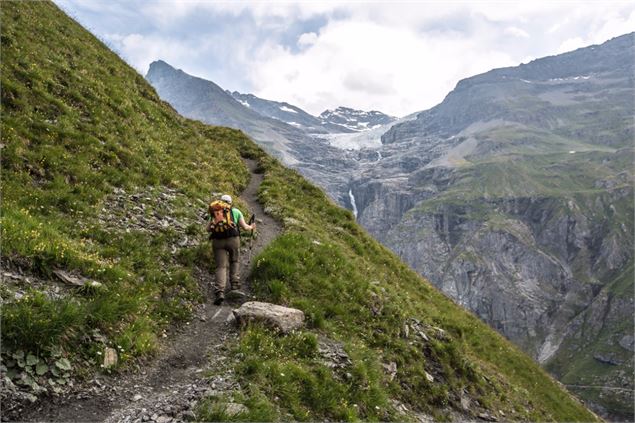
point(77, 123)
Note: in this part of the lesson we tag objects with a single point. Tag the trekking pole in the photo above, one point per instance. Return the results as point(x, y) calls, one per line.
point(251, 239)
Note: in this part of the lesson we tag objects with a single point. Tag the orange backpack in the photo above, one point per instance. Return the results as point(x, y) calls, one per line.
point(226, 227)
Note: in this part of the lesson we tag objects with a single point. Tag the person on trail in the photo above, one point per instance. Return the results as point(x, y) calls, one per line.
point(223, 228)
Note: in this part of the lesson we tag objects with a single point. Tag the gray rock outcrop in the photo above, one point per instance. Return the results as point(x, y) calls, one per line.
point(282, 318)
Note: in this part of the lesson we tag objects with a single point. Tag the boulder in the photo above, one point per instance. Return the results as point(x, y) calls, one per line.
point(110, 357)
point(628, 343)
point(232, 409)
point(607, 359)
point(283, 318)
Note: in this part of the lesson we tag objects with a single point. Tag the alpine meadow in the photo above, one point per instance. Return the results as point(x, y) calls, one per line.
point(104, 189)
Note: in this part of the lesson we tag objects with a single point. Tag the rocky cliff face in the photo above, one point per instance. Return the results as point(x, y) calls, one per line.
point(527, 266)
point(515, 197)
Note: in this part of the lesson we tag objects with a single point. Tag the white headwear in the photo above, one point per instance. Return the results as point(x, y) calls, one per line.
point(226, 198)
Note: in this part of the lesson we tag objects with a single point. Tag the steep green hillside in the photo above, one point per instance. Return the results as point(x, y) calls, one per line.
point(79, 126)
point(87, 144)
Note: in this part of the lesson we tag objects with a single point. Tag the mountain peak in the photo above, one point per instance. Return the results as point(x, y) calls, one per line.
point(355, 120)
point(160, 64)
point(161, 68)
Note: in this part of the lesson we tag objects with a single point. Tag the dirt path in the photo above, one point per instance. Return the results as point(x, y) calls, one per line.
point(192, 361)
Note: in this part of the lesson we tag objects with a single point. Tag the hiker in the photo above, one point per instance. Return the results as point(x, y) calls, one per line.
point(225, 234)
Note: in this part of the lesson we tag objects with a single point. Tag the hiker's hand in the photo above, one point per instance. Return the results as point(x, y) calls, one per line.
point(253, 226)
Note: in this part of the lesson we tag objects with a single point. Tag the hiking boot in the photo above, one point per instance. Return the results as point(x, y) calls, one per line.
point(219, 299)
point(236, 294)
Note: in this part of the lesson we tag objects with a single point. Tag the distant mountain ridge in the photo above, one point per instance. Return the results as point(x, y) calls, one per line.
point(203, 100)
point(282, 111)
point(353, 120)
point(553, 84)
point(340, 120)
point(263, 120)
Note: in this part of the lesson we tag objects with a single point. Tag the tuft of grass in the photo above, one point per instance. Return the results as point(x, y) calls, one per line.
point(35, 323)
point(291, 372)
point(259, 409)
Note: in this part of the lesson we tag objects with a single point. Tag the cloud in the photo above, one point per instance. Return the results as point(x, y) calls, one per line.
point(139, 50)
point(571, 44)
point(402, 70)
point(395, 57)
point(369, 84)
point(516, 32)
point(307, 39)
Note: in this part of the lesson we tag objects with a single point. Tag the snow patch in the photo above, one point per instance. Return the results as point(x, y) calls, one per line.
point(575, 78)
point(244, 103)
point(354, 141)
point(287, 109)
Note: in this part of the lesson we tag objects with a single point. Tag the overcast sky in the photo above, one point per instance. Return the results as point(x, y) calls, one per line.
point(396, 57)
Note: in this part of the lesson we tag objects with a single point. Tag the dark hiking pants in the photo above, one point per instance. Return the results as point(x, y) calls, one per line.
point(226, 256)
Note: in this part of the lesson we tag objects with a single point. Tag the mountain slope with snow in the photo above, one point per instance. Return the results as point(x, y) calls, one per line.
point(351, 120)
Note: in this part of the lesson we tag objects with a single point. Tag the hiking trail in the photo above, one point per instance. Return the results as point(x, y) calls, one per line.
point(191, 363)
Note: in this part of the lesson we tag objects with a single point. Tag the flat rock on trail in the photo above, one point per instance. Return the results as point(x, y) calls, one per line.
point(191, 363)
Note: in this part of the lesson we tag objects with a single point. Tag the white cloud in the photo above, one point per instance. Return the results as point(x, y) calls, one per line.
point(613, 24)
point(307, 39)
point(398, 57)
point(365, 65)
point(516, 32)
point(140, 50)
point(571, 44)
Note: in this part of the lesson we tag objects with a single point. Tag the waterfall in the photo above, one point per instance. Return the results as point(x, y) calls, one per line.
point(350, 194)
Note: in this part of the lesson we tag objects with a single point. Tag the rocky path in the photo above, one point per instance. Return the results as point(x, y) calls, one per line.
point(192, 362)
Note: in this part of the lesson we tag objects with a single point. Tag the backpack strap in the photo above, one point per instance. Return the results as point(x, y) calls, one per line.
point(233, 219)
